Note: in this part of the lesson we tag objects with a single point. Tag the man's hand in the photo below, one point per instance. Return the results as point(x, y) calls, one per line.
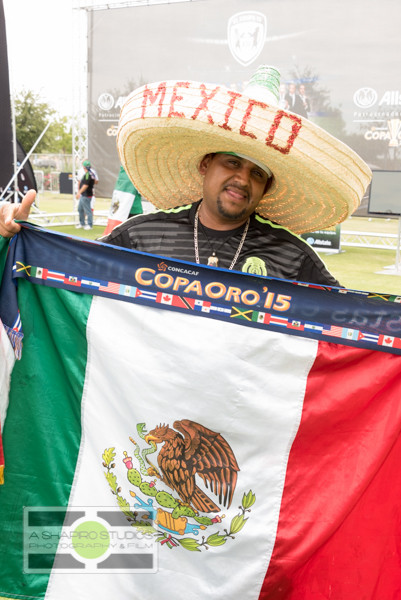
point(10, 211)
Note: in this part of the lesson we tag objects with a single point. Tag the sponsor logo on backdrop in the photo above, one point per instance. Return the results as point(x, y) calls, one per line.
point(109, 108)
point(246, 34)
point(112, 131)
point(105, 101)
point(389, 131)
point(383, 111)
point(325, 239)
point(365, 97)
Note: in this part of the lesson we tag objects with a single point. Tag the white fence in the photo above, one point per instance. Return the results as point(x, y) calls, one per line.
point(367, 239)
point(61, 219)
point(358, 239)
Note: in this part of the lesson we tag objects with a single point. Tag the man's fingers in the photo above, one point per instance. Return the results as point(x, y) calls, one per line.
point(9, 212)
point(24, 208)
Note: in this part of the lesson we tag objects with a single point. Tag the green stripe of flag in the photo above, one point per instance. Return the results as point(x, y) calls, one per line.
point(44, 471)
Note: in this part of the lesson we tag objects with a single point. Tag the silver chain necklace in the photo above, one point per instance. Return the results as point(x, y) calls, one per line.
point(213, 260)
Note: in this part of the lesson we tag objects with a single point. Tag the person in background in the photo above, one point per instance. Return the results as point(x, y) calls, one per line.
point(304, 98)
point(295, 104)
point(84, 196)
point(95, 175)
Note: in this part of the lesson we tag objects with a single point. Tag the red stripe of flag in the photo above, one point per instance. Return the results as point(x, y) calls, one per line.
point(339, 528)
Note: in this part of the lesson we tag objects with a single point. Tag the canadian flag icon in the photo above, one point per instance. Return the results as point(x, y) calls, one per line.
point(166, 298)
point(388, 340)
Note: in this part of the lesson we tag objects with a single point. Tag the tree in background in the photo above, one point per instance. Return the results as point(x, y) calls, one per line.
point(31, 117)
point(60, 135)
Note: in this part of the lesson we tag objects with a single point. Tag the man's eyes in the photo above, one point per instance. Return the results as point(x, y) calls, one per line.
point(258, 173)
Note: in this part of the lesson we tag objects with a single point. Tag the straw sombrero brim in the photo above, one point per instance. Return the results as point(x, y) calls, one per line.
point(166, 128)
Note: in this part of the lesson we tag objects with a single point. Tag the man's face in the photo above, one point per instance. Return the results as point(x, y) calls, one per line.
point(232, 187)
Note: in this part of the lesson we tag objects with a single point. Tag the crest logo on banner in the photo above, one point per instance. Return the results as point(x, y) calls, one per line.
point(246, 34)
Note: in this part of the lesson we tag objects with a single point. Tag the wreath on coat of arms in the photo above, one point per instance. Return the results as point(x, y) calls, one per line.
point(188, 454)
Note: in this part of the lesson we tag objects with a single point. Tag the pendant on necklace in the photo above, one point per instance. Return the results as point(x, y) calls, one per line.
point(213, 261)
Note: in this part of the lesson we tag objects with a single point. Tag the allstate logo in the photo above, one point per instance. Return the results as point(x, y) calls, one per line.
point(365, 97)
point(105, 101)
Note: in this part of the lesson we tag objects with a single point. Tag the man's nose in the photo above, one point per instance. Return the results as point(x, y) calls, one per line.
point(242, 175)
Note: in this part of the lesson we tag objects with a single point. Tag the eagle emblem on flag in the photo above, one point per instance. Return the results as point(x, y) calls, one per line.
point(195, 451)
point(198, 472)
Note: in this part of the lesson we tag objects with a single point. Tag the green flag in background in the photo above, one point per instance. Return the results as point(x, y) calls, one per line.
point(126, 201)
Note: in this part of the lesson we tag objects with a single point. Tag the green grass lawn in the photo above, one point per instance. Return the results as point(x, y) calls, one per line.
point(55, 203)
point(355, 268)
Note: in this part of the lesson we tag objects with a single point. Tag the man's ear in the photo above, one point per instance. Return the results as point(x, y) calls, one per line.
point(204, 163)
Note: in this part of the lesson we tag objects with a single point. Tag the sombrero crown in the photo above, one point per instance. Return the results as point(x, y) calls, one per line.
point(167, 127)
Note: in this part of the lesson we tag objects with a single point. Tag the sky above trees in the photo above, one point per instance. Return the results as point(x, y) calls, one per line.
point(39, 44)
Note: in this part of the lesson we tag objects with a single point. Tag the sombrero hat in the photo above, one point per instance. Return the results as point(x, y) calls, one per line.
point(167, 127)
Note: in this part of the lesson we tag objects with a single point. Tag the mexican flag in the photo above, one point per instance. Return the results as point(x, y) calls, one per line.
point(125, 201)
point(175, 430)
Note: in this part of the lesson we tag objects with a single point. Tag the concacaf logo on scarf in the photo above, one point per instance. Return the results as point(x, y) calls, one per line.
point(246, 33)
point(194, 480)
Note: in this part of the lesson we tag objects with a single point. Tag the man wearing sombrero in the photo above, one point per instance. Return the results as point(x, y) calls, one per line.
point(235, 178)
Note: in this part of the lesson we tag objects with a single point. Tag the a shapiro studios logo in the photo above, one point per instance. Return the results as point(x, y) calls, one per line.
point(87, 540)
point(246, 34)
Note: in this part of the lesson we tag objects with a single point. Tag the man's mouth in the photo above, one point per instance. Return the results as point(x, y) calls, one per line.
point(237, 193)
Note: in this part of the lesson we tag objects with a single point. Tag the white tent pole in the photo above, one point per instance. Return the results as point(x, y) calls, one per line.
point(13, 178)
